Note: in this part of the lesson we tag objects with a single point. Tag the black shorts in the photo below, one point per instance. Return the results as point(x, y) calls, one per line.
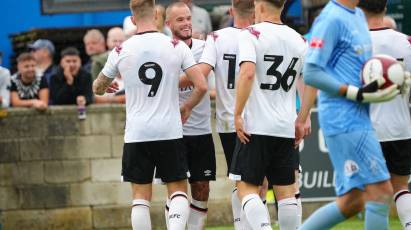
point(167, 156)
point(398, 156)
point(200, 157)
point(268, 156)
point(228, 141)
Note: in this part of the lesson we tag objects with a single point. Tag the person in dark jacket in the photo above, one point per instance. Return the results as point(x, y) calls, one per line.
point(71, 85)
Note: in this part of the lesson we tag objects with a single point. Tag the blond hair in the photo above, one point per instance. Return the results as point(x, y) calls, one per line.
point(142, 8)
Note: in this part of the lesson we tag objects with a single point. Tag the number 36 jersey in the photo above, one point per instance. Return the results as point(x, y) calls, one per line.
point(278, 52)
point(150, 64)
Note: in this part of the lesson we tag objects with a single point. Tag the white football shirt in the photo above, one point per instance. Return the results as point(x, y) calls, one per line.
point(278, 51)
point(221, 53)
point(199, 122)
point(391, 119)
point(150, 64)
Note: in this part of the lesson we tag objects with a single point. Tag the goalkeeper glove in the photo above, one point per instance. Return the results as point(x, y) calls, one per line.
point(371, 93)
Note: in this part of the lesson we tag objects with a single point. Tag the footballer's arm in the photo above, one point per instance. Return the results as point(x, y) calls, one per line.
point(307, 102)
point(200, 86)
point(101, 84)
point(245, 84)
point(205, 69)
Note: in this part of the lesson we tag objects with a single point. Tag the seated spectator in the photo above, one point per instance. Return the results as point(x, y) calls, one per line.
point(95, 45)
point(71, 84)
point(26, 89)
point(4, 87)
point(43, 52)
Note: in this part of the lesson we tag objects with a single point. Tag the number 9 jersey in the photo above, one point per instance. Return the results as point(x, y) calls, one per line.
point(150, 64)
point(278, 52)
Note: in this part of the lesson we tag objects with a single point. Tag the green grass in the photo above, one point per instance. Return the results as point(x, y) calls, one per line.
point(352, 224)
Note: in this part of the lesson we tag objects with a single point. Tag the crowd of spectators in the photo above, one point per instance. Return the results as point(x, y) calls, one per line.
point(40, 83)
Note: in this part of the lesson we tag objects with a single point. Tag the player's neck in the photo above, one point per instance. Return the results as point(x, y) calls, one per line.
point(144, 26)
point(349, 3)
point(375, 22)
point(273, 18)
point(242, 23)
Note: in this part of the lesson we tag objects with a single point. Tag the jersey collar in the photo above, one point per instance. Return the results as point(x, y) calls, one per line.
point(342, 6)
point(146, 32)
point(381, 28)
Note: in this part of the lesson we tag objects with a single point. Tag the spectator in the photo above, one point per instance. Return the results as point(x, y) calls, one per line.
point(43, 52)
point(4, 87)
point(389, 22)
point(95, 45)
point(200, 19)
point(27, 90)
point(71, 84)
point(115, 36)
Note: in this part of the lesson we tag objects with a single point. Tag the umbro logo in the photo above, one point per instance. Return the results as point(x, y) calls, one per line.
point(207, 172)
point(265, 224)
point(407, 224)
point(174, 216)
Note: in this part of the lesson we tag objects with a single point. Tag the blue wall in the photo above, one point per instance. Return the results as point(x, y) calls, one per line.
point(23, 15)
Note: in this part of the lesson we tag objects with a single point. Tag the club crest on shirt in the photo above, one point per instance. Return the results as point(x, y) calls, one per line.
point(350, 168)
point(214, 35)
point(118, 49)
point(254, 32)
point(317, 43)
point(174, 42)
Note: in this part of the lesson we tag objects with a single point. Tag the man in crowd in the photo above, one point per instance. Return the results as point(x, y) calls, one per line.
point(200, 19)
point(71, 84)
point(95, 46)
point(43, 51)
point(28, 90)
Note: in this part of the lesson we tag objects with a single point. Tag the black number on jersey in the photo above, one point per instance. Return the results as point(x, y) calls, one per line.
point(154, 82)
point(232, 59)
point(281, 79)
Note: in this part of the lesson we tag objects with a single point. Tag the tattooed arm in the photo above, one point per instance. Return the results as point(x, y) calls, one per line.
point(101, 84)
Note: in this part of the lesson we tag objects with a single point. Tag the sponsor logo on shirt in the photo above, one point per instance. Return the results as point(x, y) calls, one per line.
point(316, 43)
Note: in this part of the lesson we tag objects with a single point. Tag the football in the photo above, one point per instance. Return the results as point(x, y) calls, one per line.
point(386, 66)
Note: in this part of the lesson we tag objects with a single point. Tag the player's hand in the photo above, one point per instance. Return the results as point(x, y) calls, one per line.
point(113, 87)
point(239, 128)
point(39, 105)
point(371, 93)
point(405, 87)
point(185, 113)
point(300, 131)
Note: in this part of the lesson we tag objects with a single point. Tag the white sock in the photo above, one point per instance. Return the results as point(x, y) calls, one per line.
point(266, 208)
point(403, 203)
point(287, 214)
point(178, 212)
point(166, 209)
point(198, 215)
point(236, 207)
point(140, 215)
point(299, 209)
point(255, 212)
point(243, 224)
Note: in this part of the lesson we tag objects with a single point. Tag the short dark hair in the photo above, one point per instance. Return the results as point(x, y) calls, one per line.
point(70, 51)
point(373, 6)
point(25, 57)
